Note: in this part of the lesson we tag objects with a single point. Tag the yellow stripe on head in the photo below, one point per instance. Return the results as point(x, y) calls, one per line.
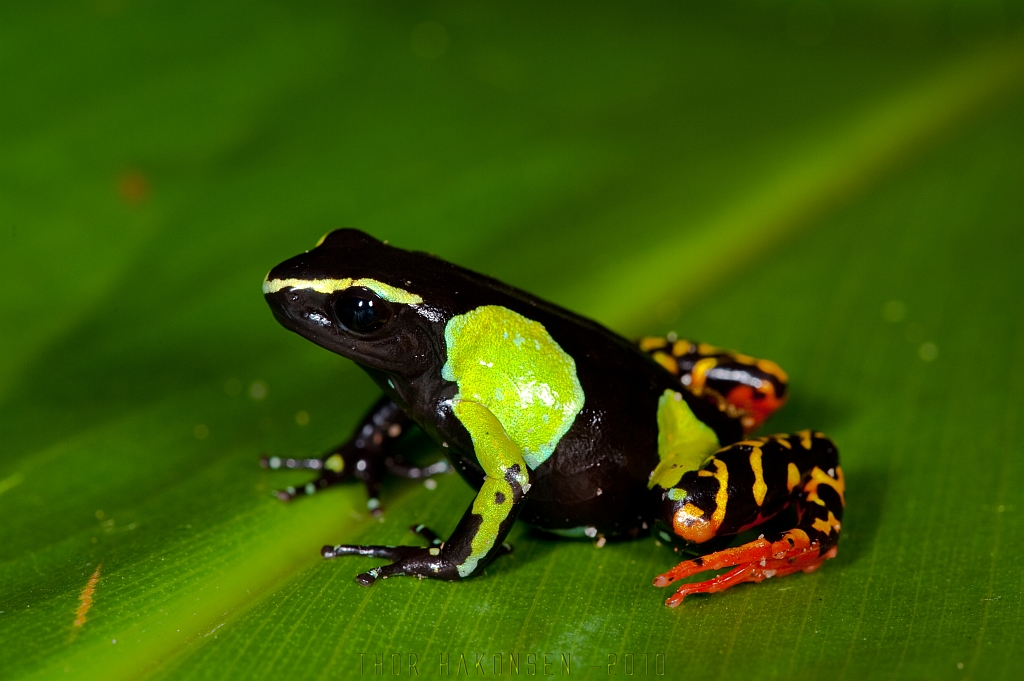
point(389, 293)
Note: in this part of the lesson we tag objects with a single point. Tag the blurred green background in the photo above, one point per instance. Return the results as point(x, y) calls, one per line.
point(833, 185)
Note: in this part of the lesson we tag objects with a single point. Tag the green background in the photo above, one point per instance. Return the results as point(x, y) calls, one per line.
point(835, 186)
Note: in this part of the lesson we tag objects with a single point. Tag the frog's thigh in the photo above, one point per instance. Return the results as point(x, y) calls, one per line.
point(506, 483)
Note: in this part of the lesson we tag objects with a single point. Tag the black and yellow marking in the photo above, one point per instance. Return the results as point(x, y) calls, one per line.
point(748, 482)
point(746, 388)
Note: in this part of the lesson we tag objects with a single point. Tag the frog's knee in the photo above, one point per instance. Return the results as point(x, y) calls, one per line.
point(695, 508)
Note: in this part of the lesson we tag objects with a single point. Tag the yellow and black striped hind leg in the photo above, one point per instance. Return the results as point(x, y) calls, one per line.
point(745, 387)
point(742, 486)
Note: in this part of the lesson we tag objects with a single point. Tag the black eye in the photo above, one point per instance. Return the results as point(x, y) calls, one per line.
point(361, 310)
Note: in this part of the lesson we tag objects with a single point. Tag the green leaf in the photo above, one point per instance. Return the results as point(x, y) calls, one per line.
point(832, 186)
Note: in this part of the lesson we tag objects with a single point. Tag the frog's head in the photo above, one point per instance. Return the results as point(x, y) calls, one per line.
point(362, 299)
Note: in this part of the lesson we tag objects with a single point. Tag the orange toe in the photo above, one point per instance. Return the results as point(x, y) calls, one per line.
point(755, 562)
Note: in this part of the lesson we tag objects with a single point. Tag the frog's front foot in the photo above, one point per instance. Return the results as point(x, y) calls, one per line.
point(367, 457)
point(327, 478)
point(432, 562)
point(346, 463)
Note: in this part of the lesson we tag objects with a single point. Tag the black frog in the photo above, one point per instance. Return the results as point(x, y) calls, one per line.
point(555, 420)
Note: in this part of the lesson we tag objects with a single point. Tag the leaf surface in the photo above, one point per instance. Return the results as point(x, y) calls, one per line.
point(846, 202)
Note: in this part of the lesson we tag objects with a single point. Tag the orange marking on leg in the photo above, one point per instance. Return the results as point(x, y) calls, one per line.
point(820, 477)
point(827, 526)
point(796, 537)
point(690, 524)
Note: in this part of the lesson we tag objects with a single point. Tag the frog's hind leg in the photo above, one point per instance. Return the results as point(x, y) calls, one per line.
point(745, 387)
point(744, 485)
point(368, 456)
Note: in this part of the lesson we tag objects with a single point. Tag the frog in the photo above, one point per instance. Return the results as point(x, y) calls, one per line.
point(556, 421)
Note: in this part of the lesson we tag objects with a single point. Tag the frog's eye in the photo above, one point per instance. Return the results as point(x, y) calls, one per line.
point(360, 310)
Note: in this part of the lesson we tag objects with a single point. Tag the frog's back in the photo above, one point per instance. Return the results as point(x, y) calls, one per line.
point(597, 475)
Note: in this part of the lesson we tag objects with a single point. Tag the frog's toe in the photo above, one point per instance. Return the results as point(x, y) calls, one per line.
point(395, 569)
point(291, 492)
point(397, 466)
point(387, 552)
point(406, 560)
point(276, 463)
point(327, 477)
point(433, 539)
point(755, 561)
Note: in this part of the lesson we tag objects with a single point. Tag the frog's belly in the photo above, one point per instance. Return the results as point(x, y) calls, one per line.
point(580, 488)
point(609, 518)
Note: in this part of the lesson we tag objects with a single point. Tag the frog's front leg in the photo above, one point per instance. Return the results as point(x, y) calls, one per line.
point(367, 456)
point(480, 534)
point(745, 484)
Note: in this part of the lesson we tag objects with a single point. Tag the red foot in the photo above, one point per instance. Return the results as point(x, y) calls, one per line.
point(755, 562)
